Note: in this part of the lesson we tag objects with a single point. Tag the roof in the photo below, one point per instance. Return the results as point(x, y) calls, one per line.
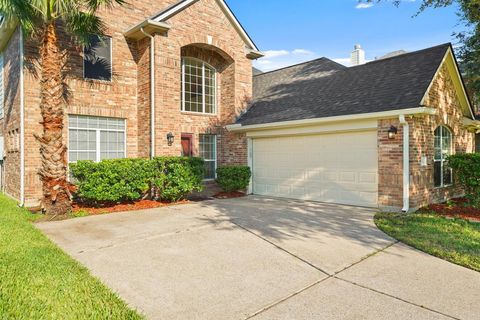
point(323, 88)
point(175, 8)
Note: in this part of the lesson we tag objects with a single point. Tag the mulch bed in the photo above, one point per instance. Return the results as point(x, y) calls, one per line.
point(122, 207)
point(229, 195)
point(456, 208)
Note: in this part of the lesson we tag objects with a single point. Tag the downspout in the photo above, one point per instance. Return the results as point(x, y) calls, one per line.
point(152, 92)
point(406, 163)
point(22, 125)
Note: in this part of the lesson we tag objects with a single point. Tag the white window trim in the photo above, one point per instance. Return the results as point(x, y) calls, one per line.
point(97, 141)
point(203, 87)
point(212, 160)
point(443, 160)
point(111, 63)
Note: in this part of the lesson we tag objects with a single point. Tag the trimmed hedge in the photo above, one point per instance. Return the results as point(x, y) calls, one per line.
point(467, 172)
point(176, 177)
point(170, 178)
point(233, 178)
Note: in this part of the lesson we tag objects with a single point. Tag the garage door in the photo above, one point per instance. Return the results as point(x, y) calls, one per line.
point(338, 168)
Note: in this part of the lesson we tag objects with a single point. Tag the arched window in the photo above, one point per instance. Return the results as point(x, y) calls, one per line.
point(198, 86)
point(442, 175)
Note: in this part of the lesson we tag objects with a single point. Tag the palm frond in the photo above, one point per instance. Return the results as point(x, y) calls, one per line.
point(84, 24)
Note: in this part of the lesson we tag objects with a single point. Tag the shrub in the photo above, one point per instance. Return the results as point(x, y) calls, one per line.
point(467, 172)
point(233, 178)
point(172, 178)
point(176, 177)
point(112, 180)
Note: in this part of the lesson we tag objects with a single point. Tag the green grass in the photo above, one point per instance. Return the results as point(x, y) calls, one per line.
point(457, 241)
point(39, 281)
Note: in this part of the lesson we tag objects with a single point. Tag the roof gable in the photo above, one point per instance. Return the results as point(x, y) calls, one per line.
point(449, 61)
point(183, 4)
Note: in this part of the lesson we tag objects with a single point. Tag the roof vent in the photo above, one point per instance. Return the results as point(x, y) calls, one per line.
point(358, 56)
point(392, 54)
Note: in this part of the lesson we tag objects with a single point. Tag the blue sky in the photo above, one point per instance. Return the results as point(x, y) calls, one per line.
point(295, 31)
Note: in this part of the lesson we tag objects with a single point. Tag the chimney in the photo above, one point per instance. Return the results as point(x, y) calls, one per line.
point(358, 56)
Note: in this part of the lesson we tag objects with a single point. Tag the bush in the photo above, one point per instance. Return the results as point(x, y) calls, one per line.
point(233, 178)
point(112, 180)
point(466, 167)
point(176, 177)
point(171, 178)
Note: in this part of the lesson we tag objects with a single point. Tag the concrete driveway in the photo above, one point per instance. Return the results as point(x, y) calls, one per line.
point(261, 258)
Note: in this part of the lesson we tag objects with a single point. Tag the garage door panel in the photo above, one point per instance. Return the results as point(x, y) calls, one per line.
point(339, 168)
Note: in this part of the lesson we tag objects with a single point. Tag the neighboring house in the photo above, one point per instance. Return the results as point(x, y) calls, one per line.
point(374, 135)
point(316, 131)
point(201, 81)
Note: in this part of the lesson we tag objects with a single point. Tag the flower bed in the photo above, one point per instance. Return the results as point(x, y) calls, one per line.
point(455, 208)
point(86, 210)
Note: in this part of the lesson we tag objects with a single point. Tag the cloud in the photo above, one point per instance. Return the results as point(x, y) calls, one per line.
point(275, 53)
point(302, 52)
point(344, 61)
point(364, 5)
point(276, 59)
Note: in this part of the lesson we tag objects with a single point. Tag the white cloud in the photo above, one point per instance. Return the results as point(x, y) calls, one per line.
point(302, 52)
point(275, 53)
point(344, 61)
point(276, 59)
point(364, 5)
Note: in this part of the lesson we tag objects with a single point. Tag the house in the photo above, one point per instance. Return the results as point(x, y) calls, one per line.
point(188, 62)
point(374, 135)
point(176, 78)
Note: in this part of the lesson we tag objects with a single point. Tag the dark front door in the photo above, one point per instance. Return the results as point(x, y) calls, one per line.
point(186, 145)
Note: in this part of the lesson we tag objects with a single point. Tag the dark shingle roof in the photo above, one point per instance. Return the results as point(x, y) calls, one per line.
point(324, 88)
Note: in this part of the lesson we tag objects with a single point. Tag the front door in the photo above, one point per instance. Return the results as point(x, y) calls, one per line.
point(186, 145)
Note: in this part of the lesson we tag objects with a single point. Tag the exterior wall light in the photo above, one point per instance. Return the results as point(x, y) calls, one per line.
point(170, 138)
point(392, 132)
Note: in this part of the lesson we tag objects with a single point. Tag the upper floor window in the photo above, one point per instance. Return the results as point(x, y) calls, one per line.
point(198, 86)
point(442, 174)
point(97, 60)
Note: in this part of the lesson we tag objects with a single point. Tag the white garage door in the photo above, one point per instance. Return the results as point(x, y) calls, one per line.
point(338, 168)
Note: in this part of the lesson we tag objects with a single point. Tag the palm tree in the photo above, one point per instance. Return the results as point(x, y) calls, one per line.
point(42, 19)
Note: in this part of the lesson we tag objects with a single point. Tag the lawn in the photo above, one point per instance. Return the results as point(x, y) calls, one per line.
point(39, 281)
point(454, 240)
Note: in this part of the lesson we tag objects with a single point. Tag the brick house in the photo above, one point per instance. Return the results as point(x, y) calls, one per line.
point(316, 131)
point(201, 81)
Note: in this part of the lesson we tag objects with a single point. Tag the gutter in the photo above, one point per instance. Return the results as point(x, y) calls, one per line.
point(406, 163)
point(316, 121)
point(22, 124)
point(152, 92)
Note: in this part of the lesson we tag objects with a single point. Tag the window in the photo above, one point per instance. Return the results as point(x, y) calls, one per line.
point(442, 174)
point(2, 94)
point(97, 60)
point(198, 86)
point(95, 138)
point(208, 151)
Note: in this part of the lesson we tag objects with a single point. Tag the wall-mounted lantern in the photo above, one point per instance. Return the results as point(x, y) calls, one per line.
point(170, 138)
point(392, 132)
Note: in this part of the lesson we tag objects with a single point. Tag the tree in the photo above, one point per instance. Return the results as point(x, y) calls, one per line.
point(469, 50)
point(43, 19)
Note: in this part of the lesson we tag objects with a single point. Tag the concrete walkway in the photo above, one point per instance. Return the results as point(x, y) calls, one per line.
point(261, 258)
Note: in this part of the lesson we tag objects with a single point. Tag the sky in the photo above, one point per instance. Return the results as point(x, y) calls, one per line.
point(291, 32)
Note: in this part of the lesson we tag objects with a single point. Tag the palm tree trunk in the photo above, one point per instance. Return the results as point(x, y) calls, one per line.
point(53, 172)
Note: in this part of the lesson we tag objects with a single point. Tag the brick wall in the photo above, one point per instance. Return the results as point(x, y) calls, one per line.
point(128, 95)
point(443, 97)
point(10, 124)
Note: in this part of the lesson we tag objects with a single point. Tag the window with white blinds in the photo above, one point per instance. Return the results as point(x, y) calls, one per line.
point(95, 138)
